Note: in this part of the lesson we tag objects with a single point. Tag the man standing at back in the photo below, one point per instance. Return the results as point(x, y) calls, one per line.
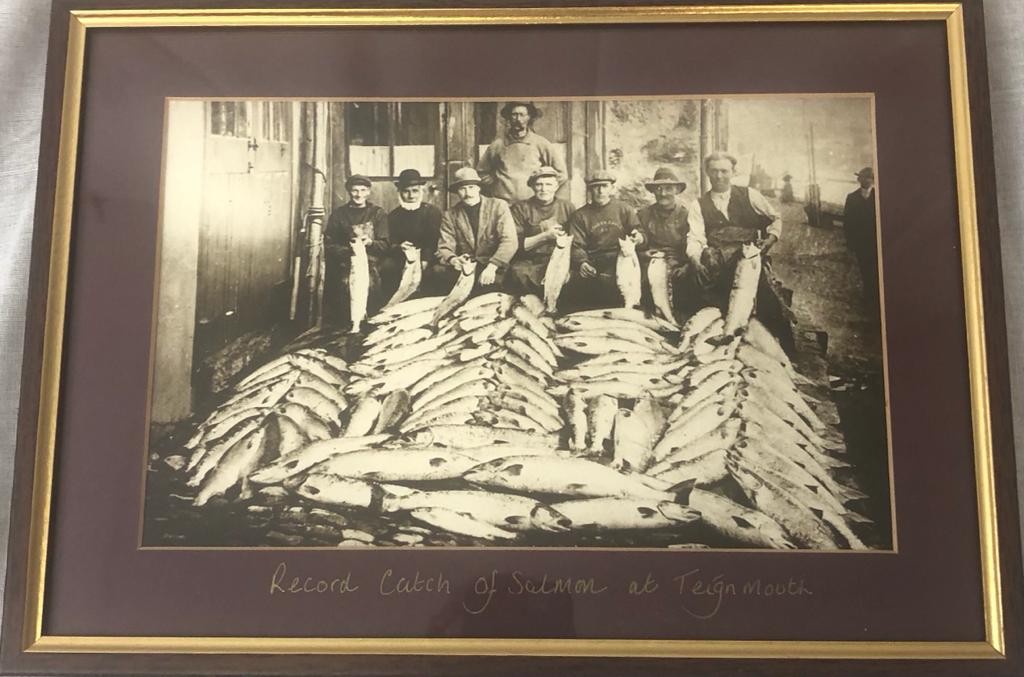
point(860, 226)
point(512, 158)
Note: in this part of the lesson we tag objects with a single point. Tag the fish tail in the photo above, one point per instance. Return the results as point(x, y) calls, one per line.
point(683, 490)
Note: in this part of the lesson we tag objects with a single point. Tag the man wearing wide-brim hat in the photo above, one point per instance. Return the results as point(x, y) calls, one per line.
point(479, 226)
point(416, 222)
point(538, 221)
point(861, 227)
point(508, 162)
point(674, 227)
point(358, 215)
point(596, 228)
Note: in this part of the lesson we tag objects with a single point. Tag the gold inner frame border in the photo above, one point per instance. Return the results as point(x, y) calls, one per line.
point(34, 641)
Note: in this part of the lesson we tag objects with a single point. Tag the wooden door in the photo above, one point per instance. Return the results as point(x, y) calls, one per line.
point(245, 233)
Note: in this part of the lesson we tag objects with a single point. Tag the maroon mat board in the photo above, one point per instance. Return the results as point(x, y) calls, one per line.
point(100, 583)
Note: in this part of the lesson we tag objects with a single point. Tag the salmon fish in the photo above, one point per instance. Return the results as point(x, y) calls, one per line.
point(742, 524)
point(604, 514)
point(459, 293)
point(358, 282)
point(241, 459)
point(627, 273)
point(505, 511)
point(661, 285)
point(633, 444)
point(744, 290)
point(557, 272)
point(566, 476)
point(346, 492)
point(412, 274)
point(309, 455)
point(398, 465)
point(576, 412)
point(602, 419)
point(461, 523)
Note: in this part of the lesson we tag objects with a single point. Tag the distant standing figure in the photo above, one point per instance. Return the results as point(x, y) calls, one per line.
point(860, 226)
point(508, 163)
point(787, 195)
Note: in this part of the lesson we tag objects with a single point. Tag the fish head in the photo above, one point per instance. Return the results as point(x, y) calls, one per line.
point(547, 518)
point(678, 513)
point(627, 246)
point(563, 240)
point(657, 255)
point(751, 250)
point(466, 264)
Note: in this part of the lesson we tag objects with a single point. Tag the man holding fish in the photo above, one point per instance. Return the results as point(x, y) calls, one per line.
point(357, 217)
point(597, 229)
point(479, 227)
point(539, 220)
point(735, 216)
point(676, 229)
point(413, 223)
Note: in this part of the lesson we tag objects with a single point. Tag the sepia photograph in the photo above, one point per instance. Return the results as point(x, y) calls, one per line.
point(533, 323)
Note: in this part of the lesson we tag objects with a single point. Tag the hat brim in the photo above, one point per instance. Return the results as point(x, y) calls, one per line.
point(349, 185)
point(654, 184)
point(467, 182)
point(534, 179)
point(594, 183)
point(407, 184)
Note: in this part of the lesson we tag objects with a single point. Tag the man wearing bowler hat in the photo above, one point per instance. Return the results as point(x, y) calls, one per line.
point(416, 222)
point(596, 229)
point(479, 226)
point(357, 215)
point(513, 157)
point(538, 221)
point(860, 226)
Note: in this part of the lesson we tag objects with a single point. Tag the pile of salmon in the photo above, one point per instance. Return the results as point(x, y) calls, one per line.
point(496, 419)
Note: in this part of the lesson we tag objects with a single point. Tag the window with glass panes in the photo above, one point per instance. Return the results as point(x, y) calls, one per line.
point(384, 138)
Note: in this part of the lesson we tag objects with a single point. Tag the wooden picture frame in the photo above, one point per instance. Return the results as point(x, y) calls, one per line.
point(962, 619)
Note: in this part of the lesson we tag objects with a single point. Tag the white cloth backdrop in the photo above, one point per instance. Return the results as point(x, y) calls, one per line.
point(23, 34)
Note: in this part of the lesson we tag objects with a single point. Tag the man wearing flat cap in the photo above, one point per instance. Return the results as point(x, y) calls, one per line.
point(596, 229)
point(860, 226)
point(479, 226)
point(416, 222)
point(538, 220)
point(357, 215)
point(734, 216)
point(512, 158)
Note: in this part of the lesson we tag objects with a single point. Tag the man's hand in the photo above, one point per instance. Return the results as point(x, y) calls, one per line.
point(456, 263)
point(587, 270)
point(768, 243)
point(488, 274)
point(550, 228)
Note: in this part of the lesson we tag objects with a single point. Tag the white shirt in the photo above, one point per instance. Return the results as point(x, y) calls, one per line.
point(757, 201)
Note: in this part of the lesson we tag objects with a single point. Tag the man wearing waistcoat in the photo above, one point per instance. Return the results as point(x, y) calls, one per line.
point(734, 216)
point(479, 226)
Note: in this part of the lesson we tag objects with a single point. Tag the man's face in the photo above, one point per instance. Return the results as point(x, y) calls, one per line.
point(519, 119)
point(720, 173)
point(601, 193)
point(411, 194)
point(469, 193)
point(358, 194)
point(545, 188)
point(665, 196)
point(866, 182)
